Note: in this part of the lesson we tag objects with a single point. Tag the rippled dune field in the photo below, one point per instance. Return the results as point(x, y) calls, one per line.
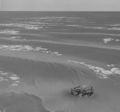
point(44, 55)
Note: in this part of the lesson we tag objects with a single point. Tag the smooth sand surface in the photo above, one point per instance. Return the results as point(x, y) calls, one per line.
point(50, 78)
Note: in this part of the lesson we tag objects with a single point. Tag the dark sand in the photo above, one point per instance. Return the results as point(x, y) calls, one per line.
point(12, 102)
point(49, 78)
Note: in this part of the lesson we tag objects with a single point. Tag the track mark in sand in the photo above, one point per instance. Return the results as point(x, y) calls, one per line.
point(28, 48)
point(68, 43)
point(101, 72)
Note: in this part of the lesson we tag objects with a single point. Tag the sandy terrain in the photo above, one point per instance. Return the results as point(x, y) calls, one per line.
point(45, 81)
point(43, 55)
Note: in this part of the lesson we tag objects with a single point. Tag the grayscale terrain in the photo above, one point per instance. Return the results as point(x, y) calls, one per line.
point(45, 54)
